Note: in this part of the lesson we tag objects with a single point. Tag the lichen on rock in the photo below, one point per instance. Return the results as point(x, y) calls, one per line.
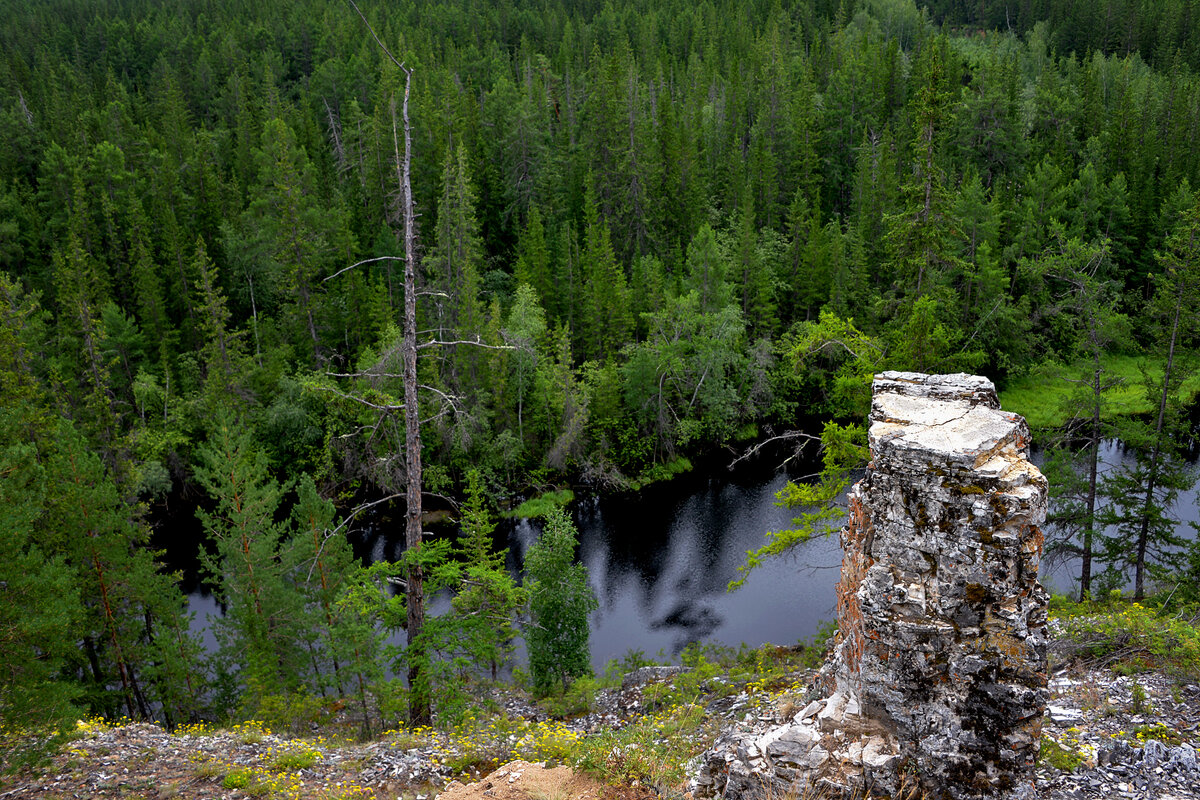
point(938, 677)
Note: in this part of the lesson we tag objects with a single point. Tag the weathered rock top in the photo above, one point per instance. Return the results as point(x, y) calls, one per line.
point(974, 389)
point(949, 419)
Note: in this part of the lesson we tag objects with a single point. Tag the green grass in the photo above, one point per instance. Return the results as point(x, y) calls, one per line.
point(543, 503)
point(1043, 396)
point(657, 473)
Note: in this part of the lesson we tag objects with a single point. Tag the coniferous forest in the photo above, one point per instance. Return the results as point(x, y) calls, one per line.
point(644, 231)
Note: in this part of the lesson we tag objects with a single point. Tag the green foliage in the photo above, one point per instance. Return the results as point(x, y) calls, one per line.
point(294, 756)
point(843, 358)
point(458, 649)
point(1055, 755)
point(488, 598)
point(541, 505)
point(239, 778)
point(295, 712)
point(262, 631)
point(576, 699)
point(1120, 633)
point(1044, 398)
point(843, 449)
point(656, 748)
point(80, 585)
point(660, 472)
point(560, 601)
point(199, 210)
point(818, 646)
point(41, 608)
point(1158, 730)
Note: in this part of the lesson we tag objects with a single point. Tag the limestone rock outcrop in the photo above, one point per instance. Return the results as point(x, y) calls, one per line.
point(938, 677)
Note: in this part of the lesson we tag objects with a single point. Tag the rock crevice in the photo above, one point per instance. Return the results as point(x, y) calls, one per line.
point(938, 677)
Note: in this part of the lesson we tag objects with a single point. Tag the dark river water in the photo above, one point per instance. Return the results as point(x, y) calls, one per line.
point(1062, 575)
point(660, 560)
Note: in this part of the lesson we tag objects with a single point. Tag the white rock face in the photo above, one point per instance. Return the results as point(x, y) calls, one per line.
point(940, 666)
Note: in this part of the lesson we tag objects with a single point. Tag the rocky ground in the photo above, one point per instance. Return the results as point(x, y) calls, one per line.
point(1116, 737)
point(1134, 736)
point(139, 760)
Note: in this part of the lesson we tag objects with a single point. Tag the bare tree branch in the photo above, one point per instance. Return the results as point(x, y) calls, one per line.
point(472, 342)
point(360, 263)
point(360, 400)
point(382, 46)
point(788, 436)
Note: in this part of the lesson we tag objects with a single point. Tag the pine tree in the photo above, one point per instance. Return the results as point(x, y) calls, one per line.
point(40, 606)
point(74, 531)
point(343, 648)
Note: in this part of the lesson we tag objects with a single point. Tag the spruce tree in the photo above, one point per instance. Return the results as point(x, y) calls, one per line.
point(560, 601)
point(488, 598)
point(607, 321)
point(1090, 302)
point(262, 633)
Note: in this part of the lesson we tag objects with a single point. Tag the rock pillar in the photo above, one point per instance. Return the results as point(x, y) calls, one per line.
point(939, 673)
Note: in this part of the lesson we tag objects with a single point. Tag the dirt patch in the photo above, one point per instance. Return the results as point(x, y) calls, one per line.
point(521, 780)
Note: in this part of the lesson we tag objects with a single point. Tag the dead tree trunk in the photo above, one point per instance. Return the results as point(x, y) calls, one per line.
point(419, 710)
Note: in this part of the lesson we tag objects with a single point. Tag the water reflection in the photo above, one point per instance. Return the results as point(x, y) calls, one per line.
point(660, 561)
point(1061, 573)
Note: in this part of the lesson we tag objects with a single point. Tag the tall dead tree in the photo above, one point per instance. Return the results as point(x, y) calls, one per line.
point(420, 689)
point(420, 712)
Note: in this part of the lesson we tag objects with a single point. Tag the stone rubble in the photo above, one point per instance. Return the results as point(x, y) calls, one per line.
point(1109, 720)
point(938, 680)
point(1110, 735)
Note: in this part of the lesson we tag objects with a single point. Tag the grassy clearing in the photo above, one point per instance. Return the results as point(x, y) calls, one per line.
point(1043, 396)
point(542, 504)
